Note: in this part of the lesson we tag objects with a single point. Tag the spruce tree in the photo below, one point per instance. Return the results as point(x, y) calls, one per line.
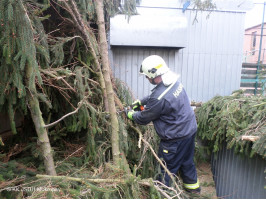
point(21, 71)
point(30, 53)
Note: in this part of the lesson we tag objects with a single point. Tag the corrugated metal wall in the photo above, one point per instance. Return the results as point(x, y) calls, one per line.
point(238, 177)
point(127, 61)
point(209, 65)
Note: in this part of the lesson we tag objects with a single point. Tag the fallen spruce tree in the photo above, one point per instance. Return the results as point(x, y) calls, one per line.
point(56, 78)
point(238, 120)
point(56, 75)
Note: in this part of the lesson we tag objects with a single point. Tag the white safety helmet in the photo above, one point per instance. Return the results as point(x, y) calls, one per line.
point(153, 66)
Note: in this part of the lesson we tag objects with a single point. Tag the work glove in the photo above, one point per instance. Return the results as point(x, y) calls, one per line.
point(136, 106)
point(129, 113)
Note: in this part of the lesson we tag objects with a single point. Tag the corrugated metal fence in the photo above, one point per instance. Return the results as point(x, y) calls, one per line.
point(238, 177)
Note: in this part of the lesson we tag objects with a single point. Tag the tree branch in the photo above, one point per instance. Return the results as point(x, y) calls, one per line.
point(81, 179)
point(158, 159)
point(71, 113)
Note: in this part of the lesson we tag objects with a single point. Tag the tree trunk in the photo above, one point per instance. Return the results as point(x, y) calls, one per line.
point(117, 156)
point(38, 121)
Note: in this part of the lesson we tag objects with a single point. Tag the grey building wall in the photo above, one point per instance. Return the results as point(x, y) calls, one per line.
point(238, 177)
point(209, 65)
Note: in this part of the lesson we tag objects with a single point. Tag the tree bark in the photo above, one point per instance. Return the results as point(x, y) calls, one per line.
point(38, 121)
point(31, 69)
point(118, 157)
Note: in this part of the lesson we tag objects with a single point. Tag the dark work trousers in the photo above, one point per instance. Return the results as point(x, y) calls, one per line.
point(178, 155)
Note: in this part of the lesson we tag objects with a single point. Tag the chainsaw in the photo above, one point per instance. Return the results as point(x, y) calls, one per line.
point(132, 107)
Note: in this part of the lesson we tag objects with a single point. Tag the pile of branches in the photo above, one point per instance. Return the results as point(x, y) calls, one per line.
point(77, 182)
point(238, 120)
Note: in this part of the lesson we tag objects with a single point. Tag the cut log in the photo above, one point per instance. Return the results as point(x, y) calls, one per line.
point(250, 138)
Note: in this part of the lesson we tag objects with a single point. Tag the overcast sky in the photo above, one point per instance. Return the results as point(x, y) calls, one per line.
point(254, 16)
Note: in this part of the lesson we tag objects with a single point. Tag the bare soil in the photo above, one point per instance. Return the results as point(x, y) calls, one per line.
point(207, 184)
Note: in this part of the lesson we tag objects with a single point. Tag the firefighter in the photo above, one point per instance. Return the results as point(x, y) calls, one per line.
point(169, 109)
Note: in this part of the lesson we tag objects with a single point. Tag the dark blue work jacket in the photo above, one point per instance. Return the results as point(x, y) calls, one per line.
point(170, 112)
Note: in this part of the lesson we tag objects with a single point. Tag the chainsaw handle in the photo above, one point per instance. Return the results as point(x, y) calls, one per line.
point(139, 108)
